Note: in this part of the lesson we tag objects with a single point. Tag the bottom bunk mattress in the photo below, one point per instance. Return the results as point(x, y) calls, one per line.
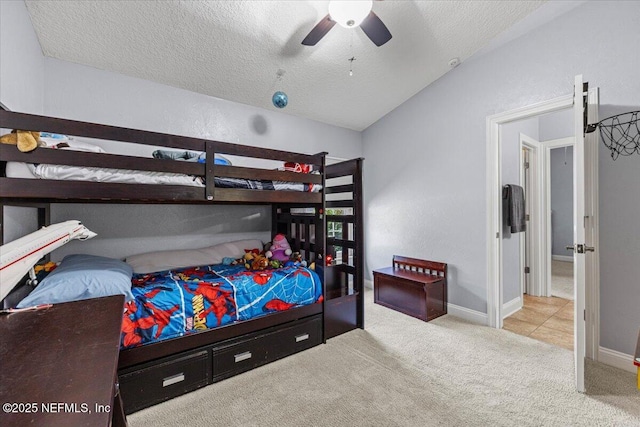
point(174, 303)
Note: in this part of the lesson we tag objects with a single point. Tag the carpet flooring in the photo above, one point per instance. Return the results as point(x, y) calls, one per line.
point(401, 371)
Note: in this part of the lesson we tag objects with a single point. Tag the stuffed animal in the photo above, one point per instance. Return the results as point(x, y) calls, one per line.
point(24, 139)
point(280, 248)
point(274, 263)
point(296, 259)
point(259, 262)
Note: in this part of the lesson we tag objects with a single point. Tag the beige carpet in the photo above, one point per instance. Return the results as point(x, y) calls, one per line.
point(401, 371)
point(562, 279)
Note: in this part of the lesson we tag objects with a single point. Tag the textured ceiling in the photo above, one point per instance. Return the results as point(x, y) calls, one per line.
point(233, 49)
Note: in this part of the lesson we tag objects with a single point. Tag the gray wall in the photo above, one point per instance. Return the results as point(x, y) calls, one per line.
point(561, 185)
point(425, 181)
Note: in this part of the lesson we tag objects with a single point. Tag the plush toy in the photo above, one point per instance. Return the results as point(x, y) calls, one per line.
point(274, 263)
point(279, 249)
point(24, 139)
point(259, 262)
point(296, 259)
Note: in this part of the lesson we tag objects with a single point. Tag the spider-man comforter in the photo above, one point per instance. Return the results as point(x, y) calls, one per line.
point(173, 303)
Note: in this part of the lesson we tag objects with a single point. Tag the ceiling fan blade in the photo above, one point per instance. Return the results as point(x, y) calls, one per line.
point(375, 29)
point(319, 31)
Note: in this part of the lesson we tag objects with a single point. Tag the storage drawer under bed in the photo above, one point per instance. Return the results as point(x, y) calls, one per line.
point(162, 381)
point(240, 355)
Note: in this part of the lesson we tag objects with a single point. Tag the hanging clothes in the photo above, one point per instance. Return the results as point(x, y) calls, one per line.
point(513, 198)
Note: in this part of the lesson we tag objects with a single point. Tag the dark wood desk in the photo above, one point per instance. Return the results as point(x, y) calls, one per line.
point(412, 286)
point(58, 366)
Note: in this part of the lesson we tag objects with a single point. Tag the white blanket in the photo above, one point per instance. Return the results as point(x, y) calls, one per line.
point(127, 176)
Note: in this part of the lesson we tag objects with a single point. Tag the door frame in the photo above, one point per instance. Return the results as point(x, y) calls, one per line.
point(494, 213)
point(536, 205)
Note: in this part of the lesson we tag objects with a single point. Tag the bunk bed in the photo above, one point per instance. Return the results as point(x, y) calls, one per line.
point(155, 372)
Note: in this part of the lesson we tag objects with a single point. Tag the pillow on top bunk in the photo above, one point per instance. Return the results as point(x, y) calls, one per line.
point(151, 262)
point(63, 142)
point(81, 277)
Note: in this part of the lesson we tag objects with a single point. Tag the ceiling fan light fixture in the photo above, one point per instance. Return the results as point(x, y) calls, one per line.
point(349, 14)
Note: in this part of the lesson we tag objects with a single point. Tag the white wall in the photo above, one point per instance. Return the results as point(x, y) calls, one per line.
point(425, 178)
point(21, 89)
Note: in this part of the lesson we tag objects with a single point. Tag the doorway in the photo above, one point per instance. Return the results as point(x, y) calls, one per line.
point(586, 325)
point(546, 175)
point(529, 160)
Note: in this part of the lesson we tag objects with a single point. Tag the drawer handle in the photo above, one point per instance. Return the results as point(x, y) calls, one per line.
point(174, 379)
point(242, 356)
point(302, 337)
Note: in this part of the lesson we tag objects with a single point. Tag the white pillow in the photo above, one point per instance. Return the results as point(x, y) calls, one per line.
point(168, 260)
point(51, 140)
point(75, 145)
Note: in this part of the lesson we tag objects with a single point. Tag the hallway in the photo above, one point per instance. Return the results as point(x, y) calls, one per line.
point(548, 319)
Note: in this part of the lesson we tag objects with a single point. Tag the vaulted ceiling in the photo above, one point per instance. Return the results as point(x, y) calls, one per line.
point(234, 49)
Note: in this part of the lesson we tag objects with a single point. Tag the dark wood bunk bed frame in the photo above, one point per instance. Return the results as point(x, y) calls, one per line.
point(156, 372)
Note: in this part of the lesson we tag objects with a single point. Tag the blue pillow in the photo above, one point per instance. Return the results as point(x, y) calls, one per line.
point(81, 277)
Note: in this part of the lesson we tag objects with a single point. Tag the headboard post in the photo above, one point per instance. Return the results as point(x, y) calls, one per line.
point(210, 170)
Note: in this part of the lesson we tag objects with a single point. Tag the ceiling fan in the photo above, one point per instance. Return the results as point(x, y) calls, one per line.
point(350, 14)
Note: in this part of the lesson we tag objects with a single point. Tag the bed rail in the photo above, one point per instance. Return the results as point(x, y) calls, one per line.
point(50, 190)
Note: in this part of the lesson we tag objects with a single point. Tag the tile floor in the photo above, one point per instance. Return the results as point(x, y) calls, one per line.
point(548, 319)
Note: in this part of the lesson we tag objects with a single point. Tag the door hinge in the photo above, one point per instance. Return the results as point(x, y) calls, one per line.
point(527, 217)
point(526, 165)
point(527, 270)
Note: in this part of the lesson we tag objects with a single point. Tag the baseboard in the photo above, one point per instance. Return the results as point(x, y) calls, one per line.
point(511, 307)
point(368, 284)
point(616, 359)
point(564, 258)
point(472, 316)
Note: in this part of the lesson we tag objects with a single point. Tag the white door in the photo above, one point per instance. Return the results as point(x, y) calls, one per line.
point(579, 239)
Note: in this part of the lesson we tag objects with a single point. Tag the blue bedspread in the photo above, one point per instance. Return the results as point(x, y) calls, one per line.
point(173, 303)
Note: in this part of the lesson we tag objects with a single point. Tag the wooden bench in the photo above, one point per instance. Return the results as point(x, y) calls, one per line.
point(412, 286)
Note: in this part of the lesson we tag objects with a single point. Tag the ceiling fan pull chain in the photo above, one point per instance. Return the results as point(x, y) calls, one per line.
point(353, 58)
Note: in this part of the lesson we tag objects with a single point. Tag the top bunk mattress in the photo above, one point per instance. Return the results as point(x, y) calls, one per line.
point(94, 174)
point(126, 176)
